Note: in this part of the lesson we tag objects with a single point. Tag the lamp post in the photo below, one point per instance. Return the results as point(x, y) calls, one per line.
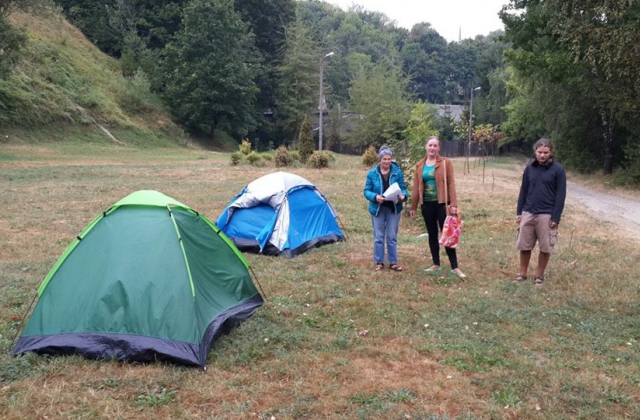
point(471, 120)
point(320, 104)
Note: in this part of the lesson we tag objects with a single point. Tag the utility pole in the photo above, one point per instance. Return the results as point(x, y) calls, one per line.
point(320, 99)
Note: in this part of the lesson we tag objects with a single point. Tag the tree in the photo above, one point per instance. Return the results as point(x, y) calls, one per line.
point(422, 124)
point(208, 75)
point(305, 145)
point(297, 91)
point(267, 21)
point(379, 95)
point(581, 56)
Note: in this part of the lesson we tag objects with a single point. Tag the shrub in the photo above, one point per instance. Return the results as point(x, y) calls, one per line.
point(305, 145)
point(295, 155)
point(370, 156)
point(282, 157)
point(236, 157)
point(245, 147)
point(629, 173)
point(267, 157)
point(319, 160)
point(253, 158)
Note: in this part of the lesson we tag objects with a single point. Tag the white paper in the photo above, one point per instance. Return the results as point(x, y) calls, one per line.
point(393, 193)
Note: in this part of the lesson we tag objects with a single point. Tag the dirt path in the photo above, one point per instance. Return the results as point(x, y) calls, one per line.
point(623, 213)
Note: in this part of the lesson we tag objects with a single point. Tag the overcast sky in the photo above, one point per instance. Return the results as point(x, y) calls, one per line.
point(448, 17)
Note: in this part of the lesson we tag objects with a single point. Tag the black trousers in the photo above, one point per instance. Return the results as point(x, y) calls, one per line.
point(434, 214)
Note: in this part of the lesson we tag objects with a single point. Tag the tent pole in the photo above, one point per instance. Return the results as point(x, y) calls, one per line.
point(13, 342)
point(343, 229)
point(259, 285)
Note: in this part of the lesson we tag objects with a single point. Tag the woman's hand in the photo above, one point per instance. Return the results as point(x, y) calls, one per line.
point(454, 210)
point(379, 199)
point(412, 213)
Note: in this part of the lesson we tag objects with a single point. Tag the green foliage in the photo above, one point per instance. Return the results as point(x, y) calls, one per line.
point(155, 399)
point(136, 96)
point(305, 143)
point(253, 158)
point(320, 159)
point(370, 156)
point(203, 91)
point(236, 158)
point(629, 174)
point(12, 40)
point(282, 158)
point(268, 21)
point(245, 147)
point(574, 73)
point(295, 155)
point(296, 94)
point(422, 124)
point(266, 157)
point(379, 94)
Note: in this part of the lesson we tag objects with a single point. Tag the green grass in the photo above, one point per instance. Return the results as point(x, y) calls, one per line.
point(335, 339)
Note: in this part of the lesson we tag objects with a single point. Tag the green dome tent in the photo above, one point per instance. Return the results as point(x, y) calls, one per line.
point(149, 279)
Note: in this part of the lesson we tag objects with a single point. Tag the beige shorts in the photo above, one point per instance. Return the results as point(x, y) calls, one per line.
point(536, 227)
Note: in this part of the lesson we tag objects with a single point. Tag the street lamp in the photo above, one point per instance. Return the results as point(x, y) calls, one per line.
point(471, 120)
point(320, 104)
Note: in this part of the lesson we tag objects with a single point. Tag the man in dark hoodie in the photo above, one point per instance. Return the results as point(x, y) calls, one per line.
point(540, 205)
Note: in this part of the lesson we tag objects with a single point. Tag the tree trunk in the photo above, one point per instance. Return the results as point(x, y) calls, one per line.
point(607, 136)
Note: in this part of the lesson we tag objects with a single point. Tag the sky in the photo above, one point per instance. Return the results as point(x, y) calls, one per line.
point(448, 17)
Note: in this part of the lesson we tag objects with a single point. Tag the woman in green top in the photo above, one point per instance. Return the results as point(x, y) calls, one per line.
point(433, 195)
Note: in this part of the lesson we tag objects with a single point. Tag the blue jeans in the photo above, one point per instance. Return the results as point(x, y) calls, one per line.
point(385, 225)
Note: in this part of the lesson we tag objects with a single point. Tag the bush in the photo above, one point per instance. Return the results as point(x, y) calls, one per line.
point(282, 157)
point(319, 160)
point(253, 158)
point(295, 155)
point(267, 157)
point(629, 174)
point(245, 147)
point(236, 157)
point(370, 156)
point(305, 145)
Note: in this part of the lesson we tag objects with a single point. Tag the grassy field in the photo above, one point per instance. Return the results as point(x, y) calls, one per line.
point(335, 339)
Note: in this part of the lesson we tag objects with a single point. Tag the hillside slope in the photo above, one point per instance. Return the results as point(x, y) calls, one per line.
point(64, 88)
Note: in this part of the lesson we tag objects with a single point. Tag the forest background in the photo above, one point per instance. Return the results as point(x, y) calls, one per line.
point(219, 71)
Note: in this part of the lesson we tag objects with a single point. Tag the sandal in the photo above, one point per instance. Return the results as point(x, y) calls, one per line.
point(395, 267)
point(538, 281)
point(379, 266)
point(520, 278)
point(460, 275)
point(433, 269)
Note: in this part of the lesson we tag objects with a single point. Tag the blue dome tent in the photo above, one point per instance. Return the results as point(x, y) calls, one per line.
point(280, 213)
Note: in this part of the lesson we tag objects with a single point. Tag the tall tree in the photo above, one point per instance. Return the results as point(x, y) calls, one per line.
point(208, 76)
point(297, 92)
point(379, 95)
point(267, 20)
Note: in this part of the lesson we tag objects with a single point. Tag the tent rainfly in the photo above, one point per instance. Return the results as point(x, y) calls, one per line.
point(149, 279)
point(280, 213)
